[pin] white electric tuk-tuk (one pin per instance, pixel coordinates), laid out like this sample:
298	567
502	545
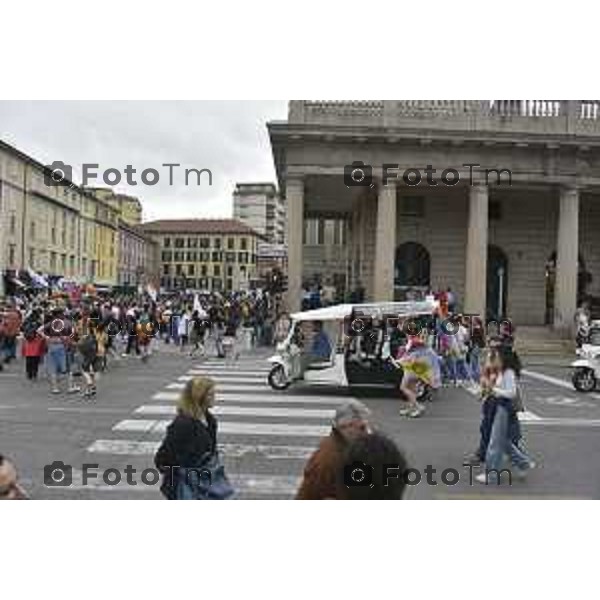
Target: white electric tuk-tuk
361	339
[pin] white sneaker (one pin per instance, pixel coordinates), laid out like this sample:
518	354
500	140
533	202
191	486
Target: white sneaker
522	473
415	413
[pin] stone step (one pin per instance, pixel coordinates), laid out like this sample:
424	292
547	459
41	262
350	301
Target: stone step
549	348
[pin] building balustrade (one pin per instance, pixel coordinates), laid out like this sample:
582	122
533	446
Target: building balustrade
526	116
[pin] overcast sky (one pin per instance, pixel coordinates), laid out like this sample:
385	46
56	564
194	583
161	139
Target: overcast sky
229	138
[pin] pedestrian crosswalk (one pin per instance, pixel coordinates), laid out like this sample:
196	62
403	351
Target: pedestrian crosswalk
265	436
246	411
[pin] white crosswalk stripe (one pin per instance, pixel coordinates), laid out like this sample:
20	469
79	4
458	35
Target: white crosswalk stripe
529	416
224	388
265	397
260	375
233	379
258	428
244	411
229	450
229	427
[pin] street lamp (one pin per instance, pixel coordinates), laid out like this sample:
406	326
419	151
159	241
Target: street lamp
500	292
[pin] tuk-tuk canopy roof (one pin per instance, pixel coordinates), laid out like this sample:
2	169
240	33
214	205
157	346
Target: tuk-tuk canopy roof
377	309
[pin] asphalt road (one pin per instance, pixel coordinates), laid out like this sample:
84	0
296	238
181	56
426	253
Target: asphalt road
267	436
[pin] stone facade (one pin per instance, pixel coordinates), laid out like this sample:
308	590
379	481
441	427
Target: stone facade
490	236
59	230
259	206
205	254
82	234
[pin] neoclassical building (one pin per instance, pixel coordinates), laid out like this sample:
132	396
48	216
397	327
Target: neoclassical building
506	212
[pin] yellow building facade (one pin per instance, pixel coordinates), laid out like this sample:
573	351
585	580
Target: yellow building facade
56	230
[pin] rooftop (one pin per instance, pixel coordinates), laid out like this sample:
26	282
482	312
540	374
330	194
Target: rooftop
248	188
580	117
231	226
40	166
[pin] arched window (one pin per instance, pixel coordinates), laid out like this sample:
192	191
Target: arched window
412	265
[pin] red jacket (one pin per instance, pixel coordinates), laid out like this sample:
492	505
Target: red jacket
35	346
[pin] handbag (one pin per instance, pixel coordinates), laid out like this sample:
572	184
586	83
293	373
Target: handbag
207	481
518	402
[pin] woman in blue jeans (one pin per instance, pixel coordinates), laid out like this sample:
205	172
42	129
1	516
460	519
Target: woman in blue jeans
505	423
57	332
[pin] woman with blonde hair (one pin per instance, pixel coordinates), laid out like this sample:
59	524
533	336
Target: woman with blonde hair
188	456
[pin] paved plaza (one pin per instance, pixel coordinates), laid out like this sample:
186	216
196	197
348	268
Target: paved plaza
267	436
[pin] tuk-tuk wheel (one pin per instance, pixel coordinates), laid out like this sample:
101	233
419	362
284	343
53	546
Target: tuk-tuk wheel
277	378
584	380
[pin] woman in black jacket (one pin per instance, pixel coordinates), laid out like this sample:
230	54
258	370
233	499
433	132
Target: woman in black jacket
191	438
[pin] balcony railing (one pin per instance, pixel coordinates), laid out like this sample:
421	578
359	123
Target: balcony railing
526	116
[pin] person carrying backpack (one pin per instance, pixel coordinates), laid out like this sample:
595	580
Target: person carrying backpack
88	348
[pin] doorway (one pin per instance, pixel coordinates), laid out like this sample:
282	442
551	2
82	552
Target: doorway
412	266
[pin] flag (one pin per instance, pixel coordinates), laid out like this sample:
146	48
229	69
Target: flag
151	292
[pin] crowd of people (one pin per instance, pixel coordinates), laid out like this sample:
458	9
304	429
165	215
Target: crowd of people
76	339
463	351
82	338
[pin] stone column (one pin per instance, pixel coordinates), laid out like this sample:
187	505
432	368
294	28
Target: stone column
477	248
360	242
385	243
565	289
294	230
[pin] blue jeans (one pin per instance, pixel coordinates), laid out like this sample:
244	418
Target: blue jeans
462	372
488	412
449	368
500	440
57	359
10	348
474	363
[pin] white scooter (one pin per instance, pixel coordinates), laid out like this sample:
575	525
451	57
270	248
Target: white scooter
586	369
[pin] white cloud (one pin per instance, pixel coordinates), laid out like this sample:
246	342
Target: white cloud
228	137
